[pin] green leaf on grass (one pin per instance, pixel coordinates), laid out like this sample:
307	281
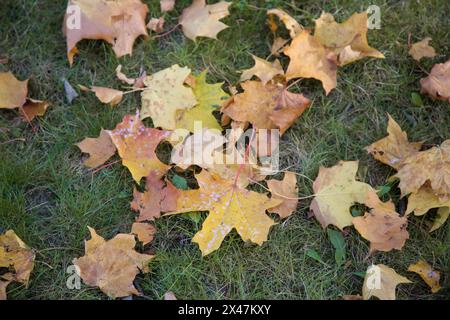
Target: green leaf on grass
338	242
416	99
313	254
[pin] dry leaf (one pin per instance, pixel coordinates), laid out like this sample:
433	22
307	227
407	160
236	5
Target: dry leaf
310	59
422	49
112	265
395	148
156	24
278	46
117	22
266	107
17	258
122	77
108	95
437	84
348	40
202	20
170	296
382	226
423	200
442	215
381	282
291	24
165	94
145	232
432	165
13	93
136	145
263	69
427	273
167	5
34	108
230	207
285	190
100	149
150	203
336	190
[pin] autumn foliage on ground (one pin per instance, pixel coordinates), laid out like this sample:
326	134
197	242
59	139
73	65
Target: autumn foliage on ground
242	198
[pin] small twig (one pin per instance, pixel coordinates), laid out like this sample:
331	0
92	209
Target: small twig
167	33
105	166
18	139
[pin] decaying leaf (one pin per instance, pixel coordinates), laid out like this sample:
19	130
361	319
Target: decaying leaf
145	232
165	94
209	99
442	215
136	145
156	199
112	265
267	106
156	24
395	148
348	40
17	258
433	166
336	190
166	5
291	24
100	149
437	84
202	20
13	93
263	69
135	82
423	200
169	295
230	207
427	273
381	282
33	108
310	59
422	49
285	190
118	22
278	46
382	226
108	95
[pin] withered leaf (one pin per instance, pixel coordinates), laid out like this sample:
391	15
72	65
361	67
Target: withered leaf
100	149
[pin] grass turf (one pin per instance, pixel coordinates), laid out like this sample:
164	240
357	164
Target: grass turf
49	198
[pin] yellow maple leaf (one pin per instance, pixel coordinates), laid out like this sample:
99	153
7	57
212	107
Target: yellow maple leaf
347	39
136	146
290	23
165	94
310	59
263	69
427	273
285	190
381	282
422	49
100	149
202	20
13	93
112	265
335	191
230	207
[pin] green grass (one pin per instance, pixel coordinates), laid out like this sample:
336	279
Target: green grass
49	198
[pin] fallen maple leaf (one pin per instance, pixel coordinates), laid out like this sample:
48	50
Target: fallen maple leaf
291	24
348	40
437	84
100	149
427	273
136	145
165	94
202	20
112	265
382	226
17	258
432	165
145	232
310	59
13	93
33	108
118	22
335	191
107	95
230	207
285	190
267	106
381	282
278	46
209	99
263	69
156	199
422	49
395	148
